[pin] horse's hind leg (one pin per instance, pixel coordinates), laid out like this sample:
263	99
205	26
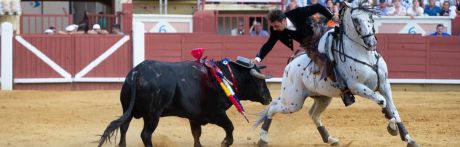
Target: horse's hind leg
391	113
276	106
318	107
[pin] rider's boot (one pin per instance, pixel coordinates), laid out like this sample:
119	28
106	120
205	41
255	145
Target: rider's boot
347	97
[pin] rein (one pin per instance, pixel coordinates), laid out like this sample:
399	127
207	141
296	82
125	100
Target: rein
339	48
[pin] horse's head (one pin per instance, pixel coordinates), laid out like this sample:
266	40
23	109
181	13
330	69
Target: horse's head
357	22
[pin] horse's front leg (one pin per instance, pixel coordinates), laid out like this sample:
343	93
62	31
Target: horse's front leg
395	123
364	91
318	107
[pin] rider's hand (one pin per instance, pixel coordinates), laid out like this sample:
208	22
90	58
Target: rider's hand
335	18
255	60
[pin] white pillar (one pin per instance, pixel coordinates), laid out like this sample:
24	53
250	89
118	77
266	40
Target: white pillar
138	43
7	56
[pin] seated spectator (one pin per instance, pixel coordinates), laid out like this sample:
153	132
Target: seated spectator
97	30
239	30
415	10
406	4
292	5
432	9
335	11
257	30
71	29
333	8
116	30
50	30
448	10
440	31
383	8
398	10
458	6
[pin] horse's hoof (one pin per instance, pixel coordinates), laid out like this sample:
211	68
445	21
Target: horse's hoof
335	144
262	143
391	131
226	143
334	141
412	144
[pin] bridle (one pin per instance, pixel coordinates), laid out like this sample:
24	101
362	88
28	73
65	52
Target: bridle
339	47
342	13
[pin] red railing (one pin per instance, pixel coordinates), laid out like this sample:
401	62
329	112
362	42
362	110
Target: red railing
226	22
105	20
202	3
37	23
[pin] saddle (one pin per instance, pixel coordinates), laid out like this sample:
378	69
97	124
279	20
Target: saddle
324	59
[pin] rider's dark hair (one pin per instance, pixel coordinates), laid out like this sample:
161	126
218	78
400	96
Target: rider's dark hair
275	15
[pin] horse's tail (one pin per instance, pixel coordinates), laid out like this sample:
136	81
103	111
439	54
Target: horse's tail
114	125
263	116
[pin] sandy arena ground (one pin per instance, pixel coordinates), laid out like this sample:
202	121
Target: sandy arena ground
76	118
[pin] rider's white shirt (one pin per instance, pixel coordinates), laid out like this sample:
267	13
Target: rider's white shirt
290	25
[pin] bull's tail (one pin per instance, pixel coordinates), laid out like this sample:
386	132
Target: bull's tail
114	125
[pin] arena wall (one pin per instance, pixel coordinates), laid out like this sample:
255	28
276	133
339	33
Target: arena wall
90	62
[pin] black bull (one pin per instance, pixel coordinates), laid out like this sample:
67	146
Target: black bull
155	89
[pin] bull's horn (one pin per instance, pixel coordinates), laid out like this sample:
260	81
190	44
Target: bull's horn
257	74
261	66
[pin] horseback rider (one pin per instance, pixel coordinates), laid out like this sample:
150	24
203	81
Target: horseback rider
295	25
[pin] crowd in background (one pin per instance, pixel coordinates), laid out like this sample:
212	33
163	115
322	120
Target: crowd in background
395	7
83	27
411	8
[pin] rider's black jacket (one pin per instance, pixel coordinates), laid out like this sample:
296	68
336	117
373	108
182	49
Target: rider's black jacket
299	17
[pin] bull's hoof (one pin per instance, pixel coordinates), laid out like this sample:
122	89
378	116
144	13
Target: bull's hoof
262	143
122	144
198	145
391	131
412	144
226	143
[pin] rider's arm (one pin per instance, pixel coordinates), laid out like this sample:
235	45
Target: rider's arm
317	8
267	47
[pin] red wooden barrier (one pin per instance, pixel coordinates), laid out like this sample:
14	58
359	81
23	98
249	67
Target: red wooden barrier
72	53
37	23
407	56
89	47
56	47
456	26
443	58
0	55
177	47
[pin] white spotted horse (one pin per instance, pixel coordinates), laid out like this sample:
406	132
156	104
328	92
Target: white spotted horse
353	50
